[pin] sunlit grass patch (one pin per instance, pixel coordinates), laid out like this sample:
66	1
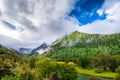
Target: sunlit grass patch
92	73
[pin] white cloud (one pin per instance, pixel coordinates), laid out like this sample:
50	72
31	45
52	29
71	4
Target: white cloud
110	24
101	27
100	12
36	21
7	32
112	9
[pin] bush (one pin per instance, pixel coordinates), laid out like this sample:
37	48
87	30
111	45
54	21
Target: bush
10	78
83	62
61	70
67	72
117	77
27	76
24	72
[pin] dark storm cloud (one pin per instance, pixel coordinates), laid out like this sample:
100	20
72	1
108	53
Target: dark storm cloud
23	6
18	10
16	6
28	24
9	25
55	26
0	13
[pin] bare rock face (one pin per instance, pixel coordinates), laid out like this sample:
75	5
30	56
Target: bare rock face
41	49
25	50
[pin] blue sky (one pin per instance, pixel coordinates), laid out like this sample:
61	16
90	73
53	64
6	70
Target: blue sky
29	23
85	11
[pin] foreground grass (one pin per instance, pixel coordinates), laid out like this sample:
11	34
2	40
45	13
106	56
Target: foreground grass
92	73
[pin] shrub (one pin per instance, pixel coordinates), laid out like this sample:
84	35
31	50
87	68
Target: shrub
10	78
64	71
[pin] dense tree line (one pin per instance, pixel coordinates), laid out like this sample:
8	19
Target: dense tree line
77	44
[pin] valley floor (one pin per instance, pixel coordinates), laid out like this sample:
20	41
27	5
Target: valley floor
90	72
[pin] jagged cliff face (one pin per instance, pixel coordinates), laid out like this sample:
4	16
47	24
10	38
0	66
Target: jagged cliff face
41	49
25	50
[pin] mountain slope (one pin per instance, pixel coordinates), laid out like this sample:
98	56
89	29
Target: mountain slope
8	61
84	38
7	54
78	43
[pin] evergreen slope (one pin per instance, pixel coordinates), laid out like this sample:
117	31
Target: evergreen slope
78	43
12	55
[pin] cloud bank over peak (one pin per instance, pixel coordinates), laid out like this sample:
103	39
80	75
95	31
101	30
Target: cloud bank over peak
36	21
28	23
